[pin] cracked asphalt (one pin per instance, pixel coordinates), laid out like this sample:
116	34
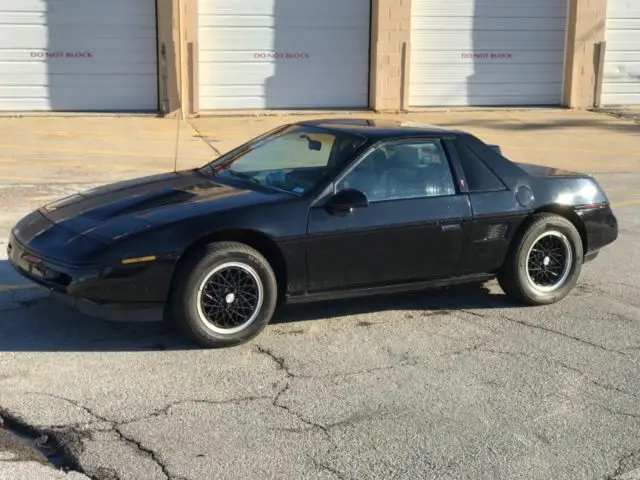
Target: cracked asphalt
450	384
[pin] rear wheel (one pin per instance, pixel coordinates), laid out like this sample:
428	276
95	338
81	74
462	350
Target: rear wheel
545	261
224	297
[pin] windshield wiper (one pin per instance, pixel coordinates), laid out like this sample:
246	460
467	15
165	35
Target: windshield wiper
244	176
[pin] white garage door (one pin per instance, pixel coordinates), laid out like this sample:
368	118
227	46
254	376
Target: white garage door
487	52
78	55
256	54
621	82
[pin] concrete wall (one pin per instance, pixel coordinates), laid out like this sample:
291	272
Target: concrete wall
390	51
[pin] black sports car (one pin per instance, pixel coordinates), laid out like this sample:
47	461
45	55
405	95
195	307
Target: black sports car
316	210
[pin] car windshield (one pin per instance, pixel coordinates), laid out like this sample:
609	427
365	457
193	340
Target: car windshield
295	159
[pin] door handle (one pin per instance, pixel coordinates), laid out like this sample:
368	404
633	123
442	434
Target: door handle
446	227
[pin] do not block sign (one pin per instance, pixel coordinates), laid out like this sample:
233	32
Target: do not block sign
47	54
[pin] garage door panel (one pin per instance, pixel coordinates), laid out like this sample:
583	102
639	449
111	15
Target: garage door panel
17	38
435	23
255	57
89	55
515	10
614	57
485	40
524	59
490	78
488	89
471	4
31	88
63	7
67	98
617	10
76	72
258	90
461	100
622	37
615	24
283	54
622	86
484	52
241	100
242	74
628	72
449	71
621	78
79	21
265	39
617	99
280	8
290	20
112	61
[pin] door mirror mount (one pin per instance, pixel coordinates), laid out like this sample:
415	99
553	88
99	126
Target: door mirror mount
346	201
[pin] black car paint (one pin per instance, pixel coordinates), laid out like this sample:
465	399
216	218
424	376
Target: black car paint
398	244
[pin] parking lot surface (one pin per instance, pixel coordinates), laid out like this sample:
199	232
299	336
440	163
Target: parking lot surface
449	384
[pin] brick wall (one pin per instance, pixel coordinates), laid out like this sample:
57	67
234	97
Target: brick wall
391	39
587	22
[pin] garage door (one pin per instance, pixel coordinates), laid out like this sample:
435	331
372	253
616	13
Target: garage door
621	82
256	54
487	52
78	55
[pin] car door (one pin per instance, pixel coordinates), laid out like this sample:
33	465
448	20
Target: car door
412	229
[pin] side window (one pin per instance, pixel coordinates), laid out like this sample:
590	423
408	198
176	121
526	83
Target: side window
479	177
402	171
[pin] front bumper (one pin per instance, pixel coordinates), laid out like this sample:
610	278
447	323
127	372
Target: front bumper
112	312
134	285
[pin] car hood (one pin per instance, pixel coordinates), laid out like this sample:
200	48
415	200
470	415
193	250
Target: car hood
122	208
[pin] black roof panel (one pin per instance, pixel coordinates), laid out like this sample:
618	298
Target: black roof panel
379	128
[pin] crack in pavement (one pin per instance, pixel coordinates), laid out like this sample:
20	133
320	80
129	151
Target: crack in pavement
615	412
166	409
105	473
622	469
327	468
625	285
596	382
549	330
282	365
478	348
117	428
146	452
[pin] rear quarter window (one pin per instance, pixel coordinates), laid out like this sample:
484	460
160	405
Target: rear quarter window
479	177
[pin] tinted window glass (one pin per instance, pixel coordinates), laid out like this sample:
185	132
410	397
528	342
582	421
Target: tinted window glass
402	171
479	177
295	159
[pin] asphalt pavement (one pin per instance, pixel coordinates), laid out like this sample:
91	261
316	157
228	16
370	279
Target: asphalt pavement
457	383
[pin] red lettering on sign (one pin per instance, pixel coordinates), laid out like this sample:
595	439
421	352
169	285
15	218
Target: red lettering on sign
486	55
282	55
47	54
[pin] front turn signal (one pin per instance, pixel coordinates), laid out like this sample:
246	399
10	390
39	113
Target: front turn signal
129	261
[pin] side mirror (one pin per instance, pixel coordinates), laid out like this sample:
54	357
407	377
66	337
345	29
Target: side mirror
312	144
345	201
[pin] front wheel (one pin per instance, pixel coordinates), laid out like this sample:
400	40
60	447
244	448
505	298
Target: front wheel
544	262
224	297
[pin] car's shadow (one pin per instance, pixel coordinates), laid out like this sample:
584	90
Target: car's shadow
30	321
471	296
